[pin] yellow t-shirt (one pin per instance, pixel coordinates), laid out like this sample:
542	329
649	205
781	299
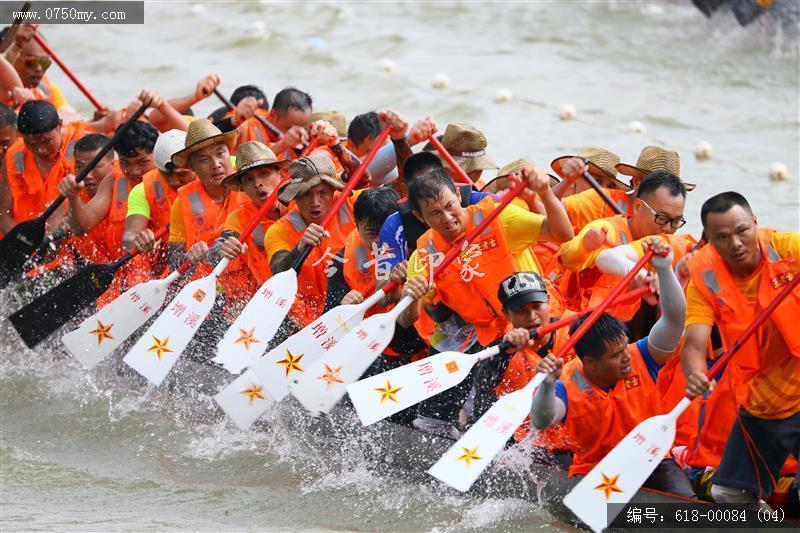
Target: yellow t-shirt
58	101
521	229
775	389
574	255
177	231
137	202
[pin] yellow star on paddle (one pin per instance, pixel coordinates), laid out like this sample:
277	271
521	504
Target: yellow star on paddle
388	392
291	362
609	485
160	347
247	338
103	332
331	375
254	393
468	456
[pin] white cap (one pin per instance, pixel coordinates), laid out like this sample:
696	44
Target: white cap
167	144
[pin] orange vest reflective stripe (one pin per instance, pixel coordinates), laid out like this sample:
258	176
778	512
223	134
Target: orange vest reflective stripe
160	196
476	300
733	313
597	420
312	282
30	192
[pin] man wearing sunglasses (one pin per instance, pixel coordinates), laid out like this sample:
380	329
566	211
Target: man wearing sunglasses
31	63
657	210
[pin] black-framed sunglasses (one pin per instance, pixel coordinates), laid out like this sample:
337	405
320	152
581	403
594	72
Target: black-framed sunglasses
43	62
662	219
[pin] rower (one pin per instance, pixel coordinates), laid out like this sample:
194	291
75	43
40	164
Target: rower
35	164
183	104
8	129
754	411
312	188
362	132
658	209
470	287
291	111
613	385
258	175
467	145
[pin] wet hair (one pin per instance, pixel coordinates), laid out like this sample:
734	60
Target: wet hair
428	186
595	341
37	116
373	207
139	135
92	142
722	202
418	164
249	90
655	180
363	126
291	98
7	116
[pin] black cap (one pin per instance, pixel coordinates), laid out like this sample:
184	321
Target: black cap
522	288
37	116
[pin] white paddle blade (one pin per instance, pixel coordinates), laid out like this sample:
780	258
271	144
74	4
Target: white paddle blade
104	331
624	470
323	385
244	400
385	394
248	336
461	465
155	353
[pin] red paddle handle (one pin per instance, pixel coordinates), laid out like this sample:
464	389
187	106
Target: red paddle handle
310	147
584	327
722	361
71	75
356	177
462	176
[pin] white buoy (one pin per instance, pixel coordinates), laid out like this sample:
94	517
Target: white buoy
441	81
636	127
198	8
703	151
387	65
778	172
567	112
502	96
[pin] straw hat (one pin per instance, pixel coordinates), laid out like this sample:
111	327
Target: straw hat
168	143
467	145
602	164
335	118
654	159
514	167
202	133
251	155
306	173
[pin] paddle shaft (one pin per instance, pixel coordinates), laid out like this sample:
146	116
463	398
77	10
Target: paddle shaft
462	176
342	198
264	122
606	198
12	31
95	160
71	75
266	206
716	369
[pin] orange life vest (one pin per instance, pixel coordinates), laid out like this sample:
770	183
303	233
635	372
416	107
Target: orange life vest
597	420
160	196
30	191
359	269
733	314
43	91
475	300
312	281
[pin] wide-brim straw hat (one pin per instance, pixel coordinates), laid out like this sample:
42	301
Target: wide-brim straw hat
514	167
202	133
252	155
601	162
467	145
655	159
334	118
306	173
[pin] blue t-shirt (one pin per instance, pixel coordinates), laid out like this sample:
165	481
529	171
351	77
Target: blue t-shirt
393	235
652	368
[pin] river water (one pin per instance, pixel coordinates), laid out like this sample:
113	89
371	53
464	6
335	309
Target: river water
100	451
